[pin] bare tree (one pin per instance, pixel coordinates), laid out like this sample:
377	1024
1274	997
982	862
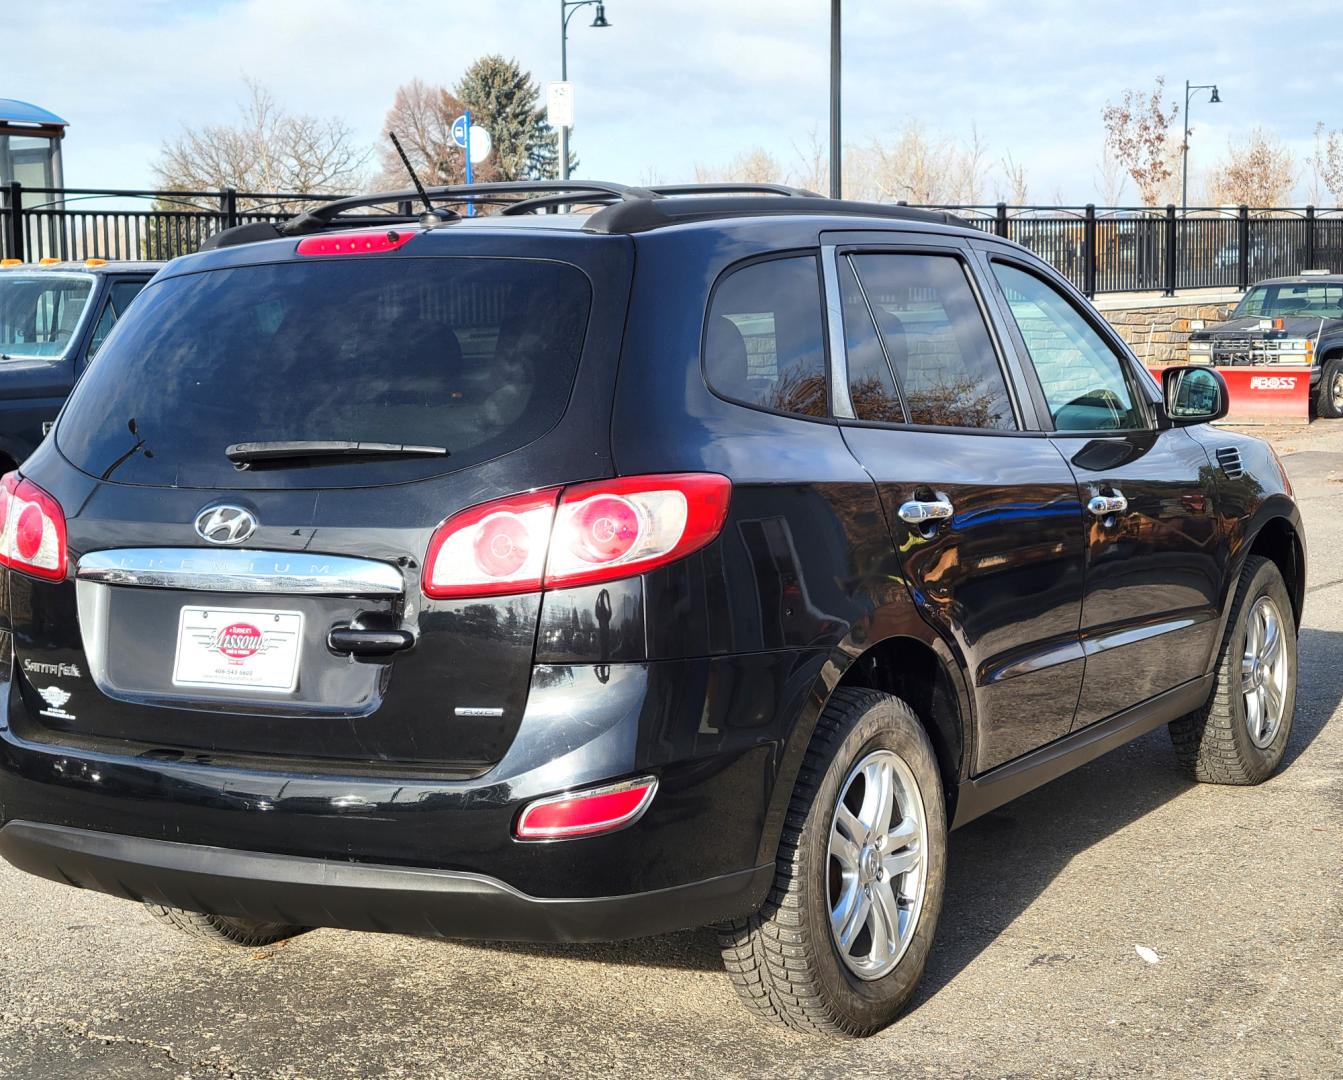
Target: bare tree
1257	170
920	168
754	166
1137	133
268	150
1326	165
813	162
422	116
1111	177
1014	187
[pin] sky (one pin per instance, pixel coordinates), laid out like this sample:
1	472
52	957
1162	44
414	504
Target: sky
676	83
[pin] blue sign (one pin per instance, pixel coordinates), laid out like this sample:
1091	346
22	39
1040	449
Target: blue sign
460	128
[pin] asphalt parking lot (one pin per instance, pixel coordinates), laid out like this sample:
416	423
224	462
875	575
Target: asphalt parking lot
1237	892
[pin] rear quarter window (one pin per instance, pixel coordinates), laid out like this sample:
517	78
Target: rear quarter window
764	345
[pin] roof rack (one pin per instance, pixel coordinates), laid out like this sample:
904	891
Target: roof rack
624	208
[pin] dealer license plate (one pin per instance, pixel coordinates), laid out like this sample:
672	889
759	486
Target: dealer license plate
233	647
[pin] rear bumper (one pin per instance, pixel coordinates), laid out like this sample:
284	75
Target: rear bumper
389	850
354	896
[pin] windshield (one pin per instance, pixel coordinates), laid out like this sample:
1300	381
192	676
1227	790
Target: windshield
474	355
1307	300
40	312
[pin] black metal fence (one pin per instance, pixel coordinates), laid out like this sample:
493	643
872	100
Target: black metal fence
1142	249
1101	249
77	223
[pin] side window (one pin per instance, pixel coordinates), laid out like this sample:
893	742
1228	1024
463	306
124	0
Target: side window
871	387
937	341
119	298
765	342
1085	383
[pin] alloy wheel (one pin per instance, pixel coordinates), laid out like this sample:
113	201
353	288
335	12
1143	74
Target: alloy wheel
876	865
1264	672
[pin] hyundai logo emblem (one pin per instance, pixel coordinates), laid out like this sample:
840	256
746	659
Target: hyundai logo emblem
225	524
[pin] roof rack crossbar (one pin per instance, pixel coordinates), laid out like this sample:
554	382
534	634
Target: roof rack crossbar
733	188
321	217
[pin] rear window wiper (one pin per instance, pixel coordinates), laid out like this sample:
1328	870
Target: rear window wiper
253	453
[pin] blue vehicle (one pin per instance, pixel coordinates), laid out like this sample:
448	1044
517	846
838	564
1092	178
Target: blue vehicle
54	316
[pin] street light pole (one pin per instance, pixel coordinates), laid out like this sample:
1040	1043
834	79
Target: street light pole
1184	149
567	9
836	147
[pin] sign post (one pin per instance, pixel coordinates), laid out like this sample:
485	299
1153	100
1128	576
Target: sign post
476	144
560	114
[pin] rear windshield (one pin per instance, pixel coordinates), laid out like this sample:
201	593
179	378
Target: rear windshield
39	313
475	355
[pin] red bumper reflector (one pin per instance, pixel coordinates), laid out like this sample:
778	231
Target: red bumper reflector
585	813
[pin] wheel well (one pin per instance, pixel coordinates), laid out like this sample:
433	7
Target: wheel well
1277	541
912	671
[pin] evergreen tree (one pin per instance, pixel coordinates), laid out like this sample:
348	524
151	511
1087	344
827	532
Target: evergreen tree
503	99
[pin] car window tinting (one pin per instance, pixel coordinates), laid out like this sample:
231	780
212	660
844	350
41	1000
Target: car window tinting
937	340
871	387
478	355
1083	380
119	298
765	340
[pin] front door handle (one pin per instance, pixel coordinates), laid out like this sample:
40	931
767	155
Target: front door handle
1105	505
920	512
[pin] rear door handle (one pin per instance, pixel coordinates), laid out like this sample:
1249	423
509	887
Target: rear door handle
920	512
346	639
1105	505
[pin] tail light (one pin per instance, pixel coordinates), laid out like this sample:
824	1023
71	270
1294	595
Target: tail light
32	529
585	813
575	536
363	242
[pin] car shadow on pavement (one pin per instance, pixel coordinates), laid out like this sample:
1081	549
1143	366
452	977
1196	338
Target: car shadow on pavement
999	864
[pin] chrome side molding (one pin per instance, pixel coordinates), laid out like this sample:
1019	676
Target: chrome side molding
241	570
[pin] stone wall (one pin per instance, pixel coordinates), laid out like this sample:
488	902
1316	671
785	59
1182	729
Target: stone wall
1156	328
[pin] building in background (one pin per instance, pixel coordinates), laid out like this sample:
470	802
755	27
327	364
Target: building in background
30	145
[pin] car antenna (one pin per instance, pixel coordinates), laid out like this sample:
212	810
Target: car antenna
430	217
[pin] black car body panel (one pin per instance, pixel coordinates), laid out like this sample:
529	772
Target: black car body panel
1029	635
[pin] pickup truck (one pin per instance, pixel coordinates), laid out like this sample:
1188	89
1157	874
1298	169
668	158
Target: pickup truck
1286	321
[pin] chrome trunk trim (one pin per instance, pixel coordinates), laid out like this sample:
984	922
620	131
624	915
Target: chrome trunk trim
241	571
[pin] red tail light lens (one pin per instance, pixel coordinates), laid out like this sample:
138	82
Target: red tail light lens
598	532
492	550
585	813
32	529
615	528
364	242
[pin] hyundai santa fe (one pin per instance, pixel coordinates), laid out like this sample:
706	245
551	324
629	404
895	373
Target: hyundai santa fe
618	561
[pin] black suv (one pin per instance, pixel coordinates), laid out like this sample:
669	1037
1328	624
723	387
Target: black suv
54	316
699	559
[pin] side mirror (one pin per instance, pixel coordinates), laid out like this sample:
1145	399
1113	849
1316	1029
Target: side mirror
1194	395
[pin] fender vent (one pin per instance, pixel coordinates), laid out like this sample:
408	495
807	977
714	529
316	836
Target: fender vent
1229	458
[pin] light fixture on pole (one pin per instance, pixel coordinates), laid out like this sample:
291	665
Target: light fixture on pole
1215	99
599	22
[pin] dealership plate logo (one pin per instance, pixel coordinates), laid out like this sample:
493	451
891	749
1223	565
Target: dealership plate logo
238	641
56	699
225	524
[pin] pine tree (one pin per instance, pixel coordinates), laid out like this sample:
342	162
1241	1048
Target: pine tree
503	100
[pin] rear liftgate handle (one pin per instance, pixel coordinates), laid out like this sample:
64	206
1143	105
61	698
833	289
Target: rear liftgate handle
347	639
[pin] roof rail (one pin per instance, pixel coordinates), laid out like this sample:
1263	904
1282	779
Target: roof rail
625	208
327	215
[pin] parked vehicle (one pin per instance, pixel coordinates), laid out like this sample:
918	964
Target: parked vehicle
703	559
1287	320
54	316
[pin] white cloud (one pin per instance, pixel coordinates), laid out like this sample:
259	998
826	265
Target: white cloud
673	82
